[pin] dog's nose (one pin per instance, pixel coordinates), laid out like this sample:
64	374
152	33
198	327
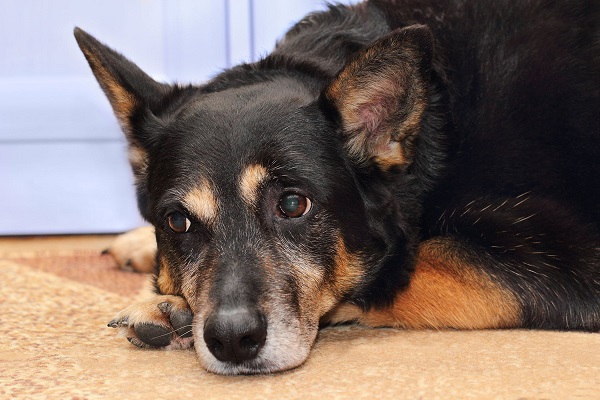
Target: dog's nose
235	335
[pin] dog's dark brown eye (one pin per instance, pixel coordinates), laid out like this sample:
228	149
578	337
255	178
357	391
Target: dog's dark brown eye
294	205
178	222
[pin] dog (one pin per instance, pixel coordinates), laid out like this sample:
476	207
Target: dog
415	164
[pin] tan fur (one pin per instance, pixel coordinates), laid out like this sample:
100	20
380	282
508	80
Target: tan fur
348	269
138	158
165	282
202	202
445	292
135	249
122	101
250	181
148	311
347	274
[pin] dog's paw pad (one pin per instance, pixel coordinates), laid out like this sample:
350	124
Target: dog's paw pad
180	318
153	335
119	322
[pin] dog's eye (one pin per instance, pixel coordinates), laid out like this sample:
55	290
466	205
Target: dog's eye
178	222
294	205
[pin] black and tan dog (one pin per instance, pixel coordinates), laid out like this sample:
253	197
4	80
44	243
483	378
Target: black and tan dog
425	164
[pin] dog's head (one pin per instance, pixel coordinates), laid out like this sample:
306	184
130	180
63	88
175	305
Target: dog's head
276	195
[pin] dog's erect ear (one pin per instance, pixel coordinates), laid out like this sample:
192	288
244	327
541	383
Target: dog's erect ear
381	95
133	95
127	87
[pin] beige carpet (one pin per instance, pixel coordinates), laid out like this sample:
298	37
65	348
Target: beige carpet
54	343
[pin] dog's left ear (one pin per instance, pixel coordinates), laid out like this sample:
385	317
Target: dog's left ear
381	96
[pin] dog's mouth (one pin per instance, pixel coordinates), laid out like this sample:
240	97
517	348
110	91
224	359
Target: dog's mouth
240	342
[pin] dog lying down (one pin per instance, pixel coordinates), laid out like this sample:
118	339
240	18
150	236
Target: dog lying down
418	164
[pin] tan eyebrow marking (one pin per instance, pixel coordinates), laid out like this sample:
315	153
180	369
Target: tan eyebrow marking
250	181
202	202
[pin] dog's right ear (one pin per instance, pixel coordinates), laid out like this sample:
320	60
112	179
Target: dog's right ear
132	94
128	88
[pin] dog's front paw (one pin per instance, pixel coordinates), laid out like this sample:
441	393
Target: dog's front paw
162	322
135	250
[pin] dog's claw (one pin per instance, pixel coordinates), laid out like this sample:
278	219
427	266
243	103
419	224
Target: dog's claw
105	252
164	307
138	343
127	266
117	323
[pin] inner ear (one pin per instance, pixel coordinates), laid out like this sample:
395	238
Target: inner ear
381	96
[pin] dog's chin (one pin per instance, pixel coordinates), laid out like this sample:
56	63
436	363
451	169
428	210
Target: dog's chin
260	365
287	346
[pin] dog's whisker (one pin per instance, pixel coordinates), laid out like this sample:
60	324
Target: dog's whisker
187	332
163	335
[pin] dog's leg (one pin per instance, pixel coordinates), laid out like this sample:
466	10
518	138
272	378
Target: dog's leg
449	290
135	250
445	291
163	322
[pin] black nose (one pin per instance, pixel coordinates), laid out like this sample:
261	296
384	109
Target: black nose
235	335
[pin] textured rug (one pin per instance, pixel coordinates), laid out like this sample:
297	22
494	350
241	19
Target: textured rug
54	343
